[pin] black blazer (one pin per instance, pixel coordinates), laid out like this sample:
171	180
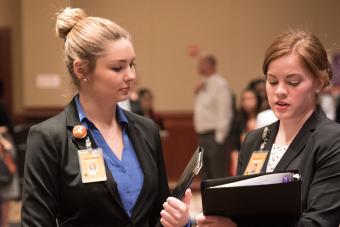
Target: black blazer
315	152
53	191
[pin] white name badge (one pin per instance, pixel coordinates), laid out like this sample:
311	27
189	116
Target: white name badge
92	167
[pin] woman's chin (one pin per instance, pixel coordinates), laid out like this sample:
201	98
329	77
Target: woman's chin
123	98
282	115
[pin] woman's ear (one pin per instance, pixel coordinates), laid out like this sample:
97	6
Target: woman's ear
321	83
79	68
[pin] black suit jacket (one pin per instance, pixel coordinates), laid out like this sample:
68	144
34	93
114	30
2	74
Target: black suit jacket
53	191
315	152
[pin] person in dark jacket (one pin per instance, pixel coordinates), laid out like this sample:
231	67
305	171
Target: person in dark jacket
95	164
303	139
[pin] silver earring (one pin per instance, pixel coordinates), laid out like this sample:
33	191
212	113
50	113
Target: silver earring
85	80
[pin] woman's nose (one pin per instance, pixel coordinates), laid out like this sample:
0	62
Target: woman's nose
281	90
130	74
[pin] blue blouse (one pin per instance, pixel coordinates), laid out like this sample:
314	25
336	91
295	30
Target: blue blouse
127	172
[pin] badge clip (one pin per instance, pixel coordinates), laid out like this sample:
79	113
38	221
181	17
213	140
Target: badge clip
88	143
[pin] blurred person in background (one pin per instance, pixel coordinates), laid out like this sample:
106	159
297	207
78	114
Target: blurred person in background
259	86
327	103
244	122
146	102
9	191
266	115
212	118
8	154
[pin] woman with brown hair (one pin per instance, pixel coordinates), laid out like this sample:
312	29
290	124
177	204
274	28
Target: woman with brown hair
296	70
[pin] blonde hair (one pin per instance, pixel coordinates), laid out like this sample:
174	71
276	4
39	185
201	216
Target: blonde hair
85	37
308	48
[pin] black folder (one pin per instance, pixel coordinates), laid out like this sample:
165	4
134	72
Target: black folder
192	169
263	201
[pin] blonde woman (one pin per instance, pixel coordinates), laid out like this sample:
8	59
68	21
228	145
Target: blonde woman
129	186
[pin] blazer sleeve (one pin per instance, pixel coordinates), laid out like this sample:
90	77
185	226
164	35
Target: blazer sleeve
40	189
323	200
162	179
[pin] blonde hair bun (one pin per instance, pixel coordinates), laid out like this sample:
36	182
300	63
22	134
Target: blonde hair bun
67	19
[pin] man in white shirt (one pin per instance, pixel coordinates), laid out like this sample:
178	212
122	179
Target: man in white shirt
212	118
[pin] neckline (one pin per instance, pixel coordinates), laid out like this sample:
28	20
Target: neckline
280	146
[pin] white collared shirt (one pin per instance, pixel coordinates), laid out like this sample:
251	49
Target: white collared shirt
213	108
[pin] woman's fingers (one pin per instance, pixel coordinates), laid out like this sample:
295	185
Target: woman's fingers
165	223
168	218
181	205
170	209
176	212
187	197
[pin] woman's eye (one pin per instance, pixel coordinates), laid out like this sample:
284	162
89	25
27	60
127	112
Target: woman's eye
272	82
117	69
120	68
294	83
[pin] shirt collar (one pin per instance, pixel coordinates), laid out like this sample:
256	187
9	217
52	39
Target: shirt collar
119	113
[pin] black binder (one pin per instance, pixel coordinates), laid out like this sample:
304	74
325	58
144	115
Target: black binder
192	169
263	201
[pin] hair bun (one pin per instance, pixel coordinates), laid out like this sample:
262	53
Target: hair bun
67	19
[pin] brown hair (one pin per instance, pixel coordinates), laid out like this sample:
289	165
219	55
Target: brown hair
85	37
309	49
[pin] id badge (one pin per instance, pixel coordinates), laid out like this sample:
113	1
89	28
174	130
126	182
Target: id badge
92	167
256	162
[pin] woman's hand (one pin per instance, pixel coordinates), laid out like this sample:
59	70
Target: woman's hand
176	212
214	221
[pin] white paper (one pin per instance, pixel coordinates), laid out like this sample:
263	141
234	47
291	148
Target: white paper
275	178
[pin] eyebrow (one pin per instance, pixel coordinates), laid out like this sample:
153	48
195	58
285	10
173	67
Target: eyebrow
288	76
122	60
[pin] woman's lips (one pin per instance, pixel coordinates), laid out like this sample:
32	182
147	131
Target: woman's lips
125	89
281	106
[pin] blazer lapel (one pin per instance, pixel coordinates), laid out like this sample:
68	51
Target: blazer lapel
147	166
72	119
298	143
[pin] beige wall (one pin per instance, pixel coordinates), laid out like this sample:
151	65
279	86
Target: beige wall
42	54
236	31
